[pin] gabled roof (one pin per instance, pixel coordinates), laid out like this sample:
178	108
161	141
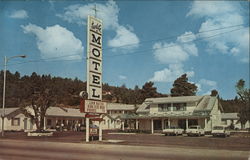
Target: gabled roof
144	108
173	99
64	112
8	111
120	106
206	104
203	103
52	111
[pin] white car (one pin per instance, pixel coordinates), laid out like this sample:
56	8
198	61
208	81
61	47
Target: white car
172	130
220	131
195	130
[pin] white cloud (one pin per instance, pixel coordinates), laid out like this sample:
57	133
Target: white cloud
79	13
174	54
124	38
221	14
171	73
178	52
186	37
169	53
108	12
122	77
204	8
55	41
206	86
19	14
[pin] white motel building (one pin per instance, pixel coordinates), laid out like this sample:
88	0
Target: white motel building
67	118
159	113
152	116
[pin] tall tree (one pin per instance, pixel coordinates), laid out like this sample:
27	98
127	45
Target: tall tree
40	96
181	87
244	98
148	90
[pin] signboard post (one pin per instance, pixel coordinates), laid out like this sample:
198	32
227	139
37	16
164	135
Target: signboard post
94	103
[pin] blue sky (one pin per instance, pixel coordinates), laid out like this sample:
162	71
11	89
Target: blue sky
142	41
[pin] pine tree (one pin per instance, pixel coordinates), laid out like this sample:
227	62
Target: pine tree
181	87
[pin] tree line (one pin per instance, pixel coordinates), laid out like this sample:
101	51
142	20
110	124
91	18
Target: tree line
42	91
19	90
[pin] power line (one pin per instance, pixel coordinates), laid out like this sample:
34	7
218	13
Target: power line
171	37
142	51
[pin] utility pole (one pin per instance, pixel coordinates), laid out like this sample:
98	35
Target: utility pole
4	86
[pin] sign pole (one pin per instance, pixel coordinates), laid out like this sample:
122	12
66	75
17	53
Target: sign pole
87	129
100	130
94	103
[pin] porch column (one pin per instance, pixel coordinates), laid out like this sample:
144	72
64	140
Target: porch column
186	123
44	123
87	129
205	124
152	126
169	122
162	124
136	124
123	125
100	130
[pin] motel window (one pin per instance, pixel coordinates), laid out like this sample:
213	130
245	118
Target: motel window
15	122
179	106
49	122
164	107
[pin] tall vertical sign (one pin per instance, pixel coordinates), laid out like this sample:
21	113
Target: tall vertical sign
94	59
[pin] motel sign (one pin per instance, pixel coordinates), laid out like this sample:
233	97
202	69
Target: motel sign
94	59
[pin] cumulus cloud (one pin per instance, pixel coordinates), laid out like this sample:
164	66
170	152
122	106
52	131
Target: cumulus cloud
55	41
221	14
171	73
124	39
174	54
108	12
169	53
205	86
19	14
177	52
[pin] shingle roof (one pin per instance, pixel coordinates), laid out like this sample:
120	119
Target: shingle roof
52	111
8	110
64	112
119	106
144	108
204	103
174	99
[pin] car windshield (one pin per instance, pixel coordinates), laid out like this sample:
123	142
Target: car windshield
193	127
218	128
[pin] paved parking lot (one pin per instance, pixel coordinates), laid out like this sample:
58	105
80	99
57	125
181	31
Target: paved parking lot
229	143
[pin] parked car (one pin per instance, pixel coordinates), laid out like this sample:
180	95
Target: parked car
220	131
195	130
173	130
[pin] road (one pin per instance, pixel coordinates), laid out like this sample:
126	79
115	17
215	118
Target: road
38	150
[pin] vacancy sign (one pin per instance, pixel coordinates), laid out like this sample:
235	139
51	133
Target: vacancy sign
95	106
94	59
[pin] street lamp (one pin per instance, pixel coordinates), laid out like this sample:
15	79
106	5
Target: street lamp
4	84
